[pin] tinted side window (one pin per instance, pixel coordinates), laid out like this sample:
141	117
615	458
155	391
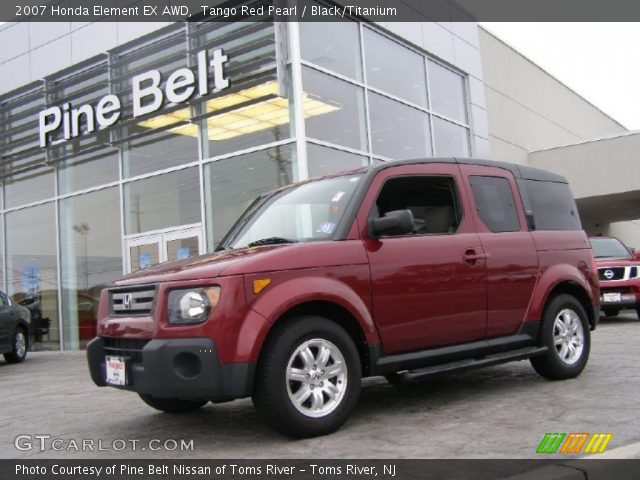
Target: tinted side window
495	203
433	200
553	206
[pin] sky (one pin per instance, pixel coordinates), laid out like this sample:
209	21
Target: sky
599	61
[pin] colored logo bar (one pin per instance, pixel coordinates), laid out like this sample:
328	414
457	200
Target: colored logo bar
573	443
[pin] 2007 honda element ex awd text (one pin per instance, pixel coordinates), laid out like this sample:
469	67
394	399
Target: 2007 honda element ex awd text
403	269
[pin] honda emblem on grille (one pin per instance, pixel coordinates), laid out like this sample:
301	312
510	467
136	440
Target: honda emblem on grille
126	301
608	274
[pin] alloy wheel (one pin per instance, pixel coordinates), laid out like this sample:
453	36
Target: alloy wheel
20	345
316	378
568	336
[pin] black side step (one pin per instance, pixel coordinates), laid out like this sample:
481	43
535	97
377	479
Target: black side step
470	364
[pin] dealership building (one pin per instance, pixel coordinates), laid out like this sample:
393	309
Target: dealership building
127	144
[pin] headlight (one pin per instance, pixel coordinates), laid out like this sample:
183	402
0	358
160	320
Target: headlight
192	305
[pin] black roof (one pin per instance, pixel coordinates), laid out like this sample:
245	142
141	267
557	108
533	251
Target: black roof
518	171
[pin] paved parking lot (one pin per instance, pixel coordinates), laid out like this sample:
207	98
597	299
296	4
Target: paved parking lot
499	412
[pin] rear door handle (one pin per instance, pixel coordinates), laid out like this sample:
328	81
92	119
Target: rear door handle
471	257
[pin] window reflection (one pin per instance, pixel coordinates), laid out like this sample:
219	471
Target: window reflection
86	170
233	183
158	150
324	160
394	68
343	119
91	257
332	45
162	201
447	92
32	270
450	139
398	131
29	186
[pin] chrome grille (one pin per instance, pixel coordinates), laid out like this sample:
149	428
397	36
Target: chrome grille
133	301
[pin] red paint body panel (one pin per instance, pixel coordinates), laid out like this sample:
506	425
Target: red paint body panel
512	261
406	293
424	294
347	286
558	266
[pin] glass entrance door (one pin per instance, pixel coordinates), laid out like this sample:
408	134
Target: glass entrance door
144	251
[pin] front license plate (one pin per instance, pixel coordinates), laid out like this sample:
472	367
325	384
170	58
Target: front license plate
116	370
611	297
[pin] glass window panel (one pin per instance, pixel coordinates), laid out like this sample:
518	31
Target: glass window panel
394	68
29	186
32	270
87	170
182	248
398	131
162	201
332	45
2	258
450	139
234	183
161	150
495	203
324	160
144	256
91	257
249	117
334	110
447	92
553	205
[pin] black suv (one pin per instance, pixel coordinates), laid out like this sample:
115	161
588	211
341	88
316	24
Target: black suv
14	330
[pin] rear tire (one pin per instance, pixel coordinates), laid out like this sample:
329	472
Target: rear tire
172	405
565	332
308	377
611	312
19	344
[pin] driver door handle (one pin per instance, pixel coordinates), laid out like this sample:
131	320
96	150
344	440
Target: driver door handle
471	256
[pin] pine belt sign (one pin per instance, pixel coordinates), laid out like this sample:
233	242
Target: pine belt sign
147	95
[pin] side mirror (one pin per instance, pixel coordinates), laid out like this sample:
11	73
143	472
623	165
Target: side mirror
531	221
397	222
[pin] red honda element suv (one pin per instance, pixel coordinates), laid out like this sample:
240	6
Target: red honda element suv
403	269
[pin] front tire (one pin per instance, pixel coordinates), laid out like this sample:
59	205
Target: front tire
172	405
565	332
308	377
19	347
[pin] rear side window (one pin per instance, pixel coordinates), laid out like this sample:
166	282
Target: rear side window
552	205
495	203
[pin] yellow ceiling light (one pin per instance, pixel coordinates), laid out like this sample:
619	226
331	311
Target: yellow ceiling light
261	115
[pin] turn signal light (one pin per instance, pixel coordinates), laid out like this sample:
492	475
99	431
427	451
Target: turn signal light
261	284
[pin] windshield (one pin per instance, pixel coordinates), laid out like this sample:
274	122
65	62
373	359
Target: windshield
609	248
306	212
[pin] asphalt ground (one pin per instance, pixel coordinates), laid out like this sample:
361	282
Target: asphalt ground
497	412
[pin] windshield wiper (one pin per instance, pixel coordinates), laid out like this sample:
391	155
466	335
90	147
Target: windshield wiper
270	241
